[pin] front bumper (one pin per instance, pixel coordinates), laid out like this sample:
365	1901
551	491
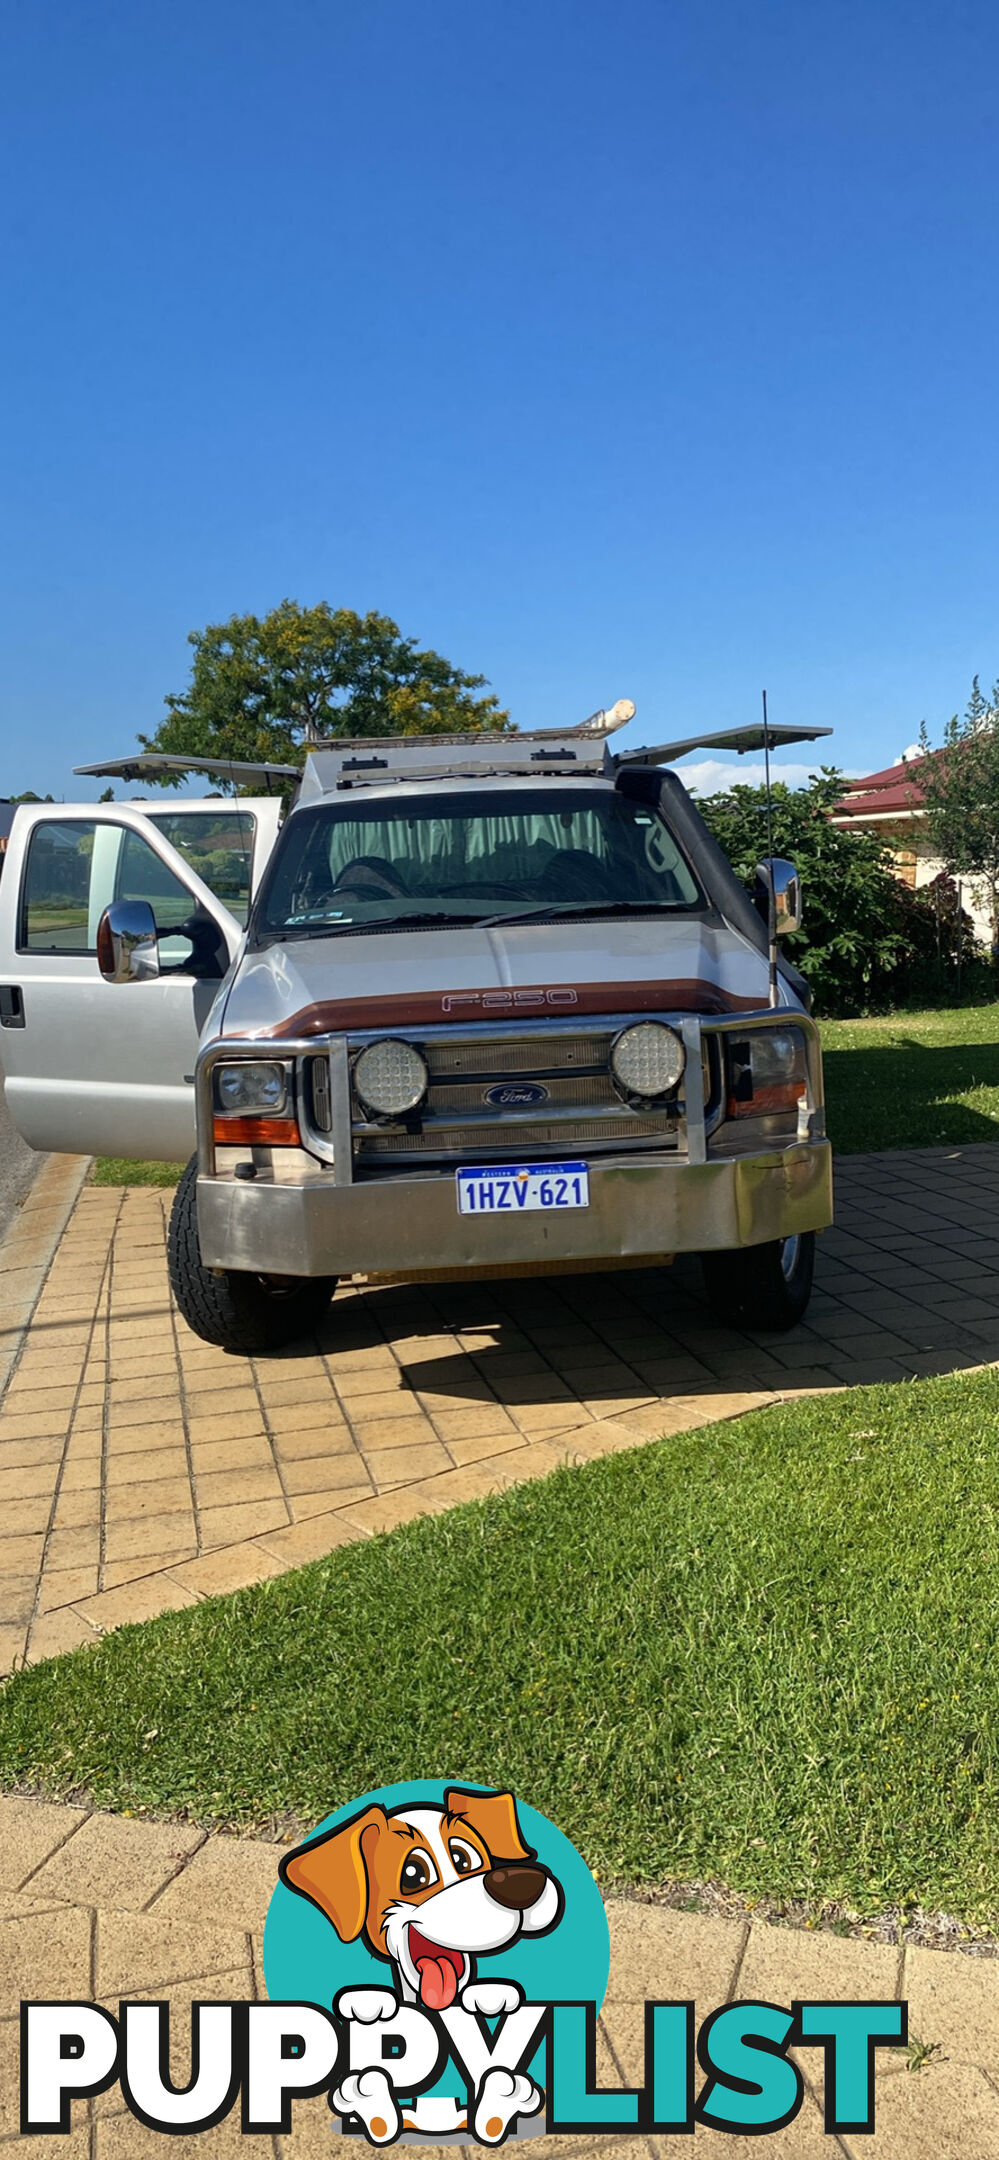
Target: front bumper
641	1207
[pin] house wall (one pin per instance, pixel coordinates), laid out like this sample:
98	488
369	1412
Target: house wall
928	867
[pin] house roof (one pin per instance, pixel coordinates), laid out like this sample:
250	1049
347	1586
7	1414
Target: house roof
880	794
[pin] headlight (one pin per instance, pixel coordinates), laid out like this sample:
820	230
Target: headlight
767	1071
249	1087
390	1078
648	1060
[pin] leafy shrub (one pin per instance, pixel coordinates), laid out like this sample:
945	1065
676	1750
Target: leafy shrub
867	943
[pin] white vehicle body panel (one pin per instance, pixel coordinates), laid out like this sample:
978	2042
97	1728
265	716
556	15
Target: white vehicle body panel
521	970
88	1069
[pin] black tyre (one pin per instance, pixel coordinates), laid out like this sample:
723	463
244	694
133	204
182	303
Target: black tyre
762	1286
237	1311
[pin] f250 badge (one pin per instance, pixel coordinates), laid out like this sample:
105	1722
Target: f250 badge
508	1000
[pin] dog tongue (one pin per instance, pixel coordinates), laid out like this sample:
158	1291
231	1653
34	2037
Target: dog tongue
438	1982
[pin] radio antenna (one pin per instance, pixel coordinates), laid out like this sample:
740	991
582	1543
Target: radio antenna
771	895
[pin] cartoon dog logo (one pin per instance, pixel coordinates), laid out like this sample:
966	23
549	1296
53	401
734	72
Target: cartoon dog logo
431	1890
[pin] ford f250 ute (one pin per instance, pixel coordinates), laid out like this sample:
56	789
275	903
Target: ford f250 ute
485	1005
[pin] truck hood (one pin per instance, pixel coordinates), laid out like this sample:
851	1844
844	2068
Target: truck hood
411	978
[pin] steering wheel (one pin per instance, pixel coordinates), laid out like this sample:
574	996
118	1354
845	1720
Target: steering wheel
372	877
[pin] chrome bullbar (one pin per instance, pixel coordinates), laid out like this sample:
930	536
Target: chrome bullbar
684	1125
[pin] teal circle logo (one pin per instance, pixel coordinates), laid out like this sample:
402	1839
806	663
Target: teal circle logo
478	1865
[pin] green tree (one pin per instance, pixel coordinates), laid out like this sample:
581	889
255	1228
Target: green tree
265	688
960	786
866	942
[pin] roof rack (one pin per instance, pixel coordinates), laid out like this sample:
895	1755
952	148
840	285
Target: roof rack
378	761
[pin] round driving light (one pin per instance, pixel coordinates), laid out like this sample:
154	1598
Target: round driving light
390	1078
647	1060
248	1087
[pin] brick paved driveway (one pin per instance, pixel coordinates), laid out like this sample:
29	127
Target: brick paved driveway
141	1470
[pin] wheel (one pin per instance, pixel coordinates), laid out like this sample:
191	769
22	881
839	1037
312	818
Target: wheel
762	1286
237	1311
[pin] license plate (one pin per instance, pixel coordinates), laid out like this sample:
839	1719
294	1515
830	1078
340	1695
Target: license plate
523	1188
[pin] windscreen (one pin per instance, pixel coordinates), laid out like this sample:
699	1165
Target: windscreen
471	857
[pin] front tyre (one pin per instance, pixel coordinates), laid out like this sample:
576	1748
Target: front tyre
762	1286
236	1311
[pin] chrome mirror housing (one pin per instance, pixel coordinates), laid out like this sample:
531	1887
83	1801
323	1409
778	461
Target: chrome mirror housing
777	876
127	944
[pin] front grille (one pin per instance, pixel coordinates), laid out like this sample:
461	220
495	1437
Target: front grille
583	1109
532	1054
318	1071
589	1091
498	1141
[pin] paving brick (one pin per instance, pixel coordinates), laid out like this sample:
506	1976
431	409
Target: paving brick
954	2000
231	1525
17	1595
656	1952
148	1497
332	1473
946	2111
30	1831
146	1466
229	1880
122	2137
54	1633
225	1488
311	1540
13	1637
45	1956
115	1863
139	1536
402	1465
65	1586
142	1950
136	1601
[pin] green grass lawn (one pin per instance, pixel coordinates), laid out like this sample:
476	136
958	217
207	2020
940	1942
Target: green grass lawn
913	1079
762	1654
121	1170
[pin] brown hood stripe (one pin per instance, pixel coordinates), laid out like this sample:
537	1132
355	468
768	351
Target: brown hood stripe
434	1008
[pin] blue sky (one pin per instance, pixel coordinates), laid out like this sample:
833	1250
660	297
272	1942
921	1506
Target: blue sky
646	349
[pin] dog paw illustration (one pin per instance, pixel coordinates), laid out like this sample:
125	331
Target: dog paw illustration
492	1998
502	2096
366	2005
368	2094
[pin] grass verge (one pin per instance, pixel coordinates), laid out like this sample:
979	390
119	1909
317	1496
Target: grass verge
121	1170
913	1079
761	1654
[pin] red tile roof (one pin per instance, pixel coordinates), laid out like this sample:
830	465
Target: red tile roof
896	788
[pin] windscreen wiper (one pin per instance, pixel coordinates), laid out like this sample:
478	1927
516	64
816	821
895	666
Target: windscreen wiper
328	926
556	908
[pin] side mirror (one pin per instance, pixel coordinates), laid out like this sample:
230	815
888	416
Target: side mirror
127	944
776	875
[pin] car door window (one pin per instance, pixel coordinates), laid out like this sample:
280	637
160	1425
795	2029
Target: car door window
55	902
218	844
141	874
76	867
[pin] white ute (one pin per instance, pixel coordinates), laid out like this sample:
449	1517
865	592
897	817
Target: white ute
484	1005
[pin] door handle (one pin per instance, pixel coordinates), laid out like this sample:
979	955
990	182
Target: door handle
11	1005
